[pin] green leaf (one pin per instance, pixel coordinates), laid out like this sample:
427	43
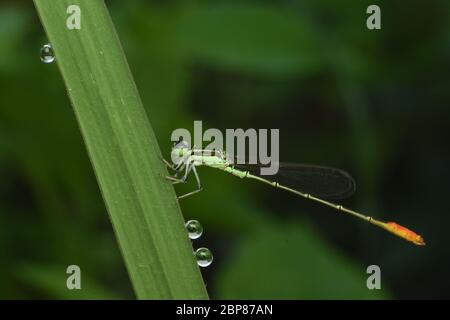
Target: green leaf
289	261
123	150
248	37
51	281
13	25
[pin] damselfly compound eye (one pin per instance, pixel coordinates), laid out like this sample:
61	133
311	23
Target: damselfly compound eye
194	229
47	54
182	144
204	257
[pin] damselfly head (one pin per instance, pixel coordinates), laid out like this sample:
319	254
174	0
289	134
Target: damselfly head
180	151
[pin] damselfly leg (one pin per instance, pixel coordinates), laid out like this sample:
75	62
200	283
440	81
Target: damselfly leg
187	164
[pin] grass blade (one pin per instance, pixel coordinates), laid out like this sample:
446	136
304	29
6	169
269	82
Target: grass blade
123	150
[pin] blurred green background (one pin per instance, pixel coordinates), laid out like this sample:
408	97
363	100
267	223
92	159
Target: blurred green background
375	103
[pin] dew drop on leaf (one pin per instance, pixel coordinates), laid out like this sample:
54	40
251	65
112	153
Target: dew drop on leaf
194	229
204	257
47	54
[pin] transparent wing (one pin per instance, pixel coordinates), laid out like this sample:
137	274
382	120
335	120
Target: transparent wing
318	181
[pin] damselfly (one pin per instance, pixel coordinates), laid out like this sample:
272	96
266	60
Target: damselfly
310	182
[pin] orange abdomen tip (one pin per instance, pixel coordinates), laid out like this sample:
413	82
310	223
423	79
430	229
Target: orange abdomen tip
404	233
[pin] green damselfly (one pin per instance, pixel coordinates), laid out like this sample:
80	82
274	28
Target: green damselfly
308	181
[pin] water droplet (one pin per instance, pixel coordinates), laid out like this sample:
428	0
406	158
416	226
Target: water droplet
194	229
204	257
47	54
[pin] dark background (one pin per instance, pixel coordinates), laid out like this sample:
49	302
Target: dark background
375	103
